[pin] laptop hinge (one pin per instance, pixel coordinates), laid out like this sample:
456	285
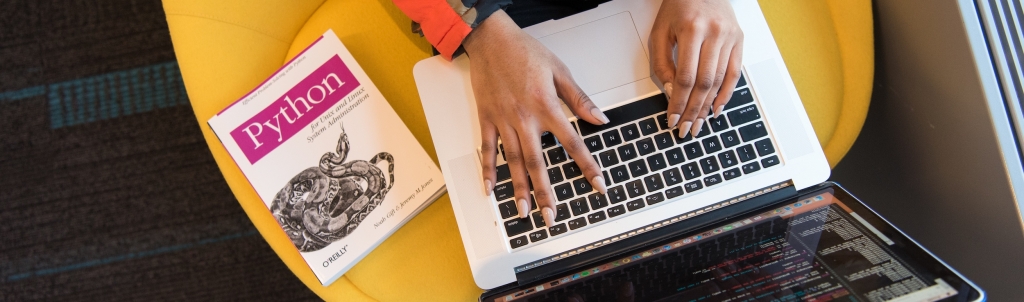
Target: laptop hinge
626	242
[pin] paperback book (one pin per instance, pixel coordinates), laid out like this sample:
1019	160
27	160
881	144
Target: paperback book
329	157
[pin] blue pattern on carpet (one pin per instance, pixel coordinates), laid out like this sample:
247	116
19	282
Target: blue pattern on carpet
109	95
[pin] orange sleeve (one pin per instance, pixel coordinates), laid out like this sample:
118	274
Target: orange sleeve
445	23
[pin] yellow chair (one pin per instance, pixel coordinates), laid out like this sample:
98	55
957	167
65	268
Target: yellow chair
227	47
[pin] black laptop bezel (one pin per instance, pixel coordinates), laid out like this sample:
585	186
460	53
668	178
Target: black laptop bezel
905	247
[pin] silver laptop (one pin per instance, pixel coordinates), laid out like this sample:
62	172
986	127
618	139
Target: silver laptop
762	142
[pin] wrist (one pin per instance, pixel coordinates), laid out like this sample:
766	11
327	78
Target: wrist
491	31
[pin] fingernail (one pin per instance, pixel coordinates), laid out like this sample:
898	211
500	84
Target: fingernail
696	127
718	110
599	115
668	89
598	183
524	208
684	129
549	216
488	187
673	119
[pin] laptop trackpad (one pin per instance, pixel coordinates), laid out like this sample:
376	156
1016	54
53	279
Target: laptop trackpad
603	54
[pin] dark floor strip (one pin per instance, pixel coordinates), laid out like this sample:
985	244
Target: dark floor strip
124	257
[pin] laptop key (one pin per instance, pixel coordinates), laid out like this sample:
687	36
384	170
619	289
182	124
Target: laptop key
597	201
616	211
711	144
672	176
611	138
593	143
693	186
673	192
538	236
538	220
562	212
656	162
620	174
704	130
596	217
709	164
577	223
635	205
712	180
764	147
607	180
751	168
744	115
731	173
664	140
648	126
635	188
727	159
617	194
690	171
680	140
557	229
518	242
662	121
504	191
653	182
753	131
555	175
563	191
629	132
547	140
718	123
742	82
627	113
582	186
508	209
502	172
518	226
627	152
740	97
557	155
645	146
638	168
579	206
770	161
746	153
608	158
655	198
730	139
693	150
572	170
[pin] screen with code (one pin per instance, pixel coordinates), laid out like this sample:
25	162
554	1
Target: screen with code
814	249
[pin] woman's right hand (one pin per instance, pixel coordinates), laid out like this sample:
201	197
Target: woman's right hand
519	87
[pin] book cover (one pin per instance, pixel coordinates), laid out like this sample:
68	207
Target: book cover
329	157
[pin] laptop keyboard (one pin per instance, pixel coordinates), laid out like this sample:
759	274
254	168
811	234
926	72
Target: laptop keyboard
644	163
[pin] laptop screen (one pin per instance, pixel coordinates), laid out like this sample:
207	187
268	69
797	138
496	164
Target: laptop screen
817	248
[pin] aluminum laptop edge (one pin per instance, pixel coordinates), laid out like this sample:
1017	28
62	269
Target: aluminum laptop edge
606	49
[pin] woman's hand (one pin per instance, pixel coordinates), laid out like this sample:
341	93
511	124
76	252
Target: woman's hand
709	47
518	84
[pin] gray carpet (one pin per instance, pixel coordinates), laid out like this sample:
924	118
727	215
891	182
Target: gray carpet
107	189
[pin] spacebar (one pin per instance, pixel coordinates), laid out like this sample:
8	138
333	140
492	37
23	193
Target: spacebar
627	113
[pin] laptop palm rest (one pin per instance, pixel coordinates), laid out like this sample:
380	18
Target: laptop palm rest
475	206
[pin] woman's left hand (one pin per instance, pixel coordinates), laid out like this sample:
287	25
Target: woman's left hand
709	47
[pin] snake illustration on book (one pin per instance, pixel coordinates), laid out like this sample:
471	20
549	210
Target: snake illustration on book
323	204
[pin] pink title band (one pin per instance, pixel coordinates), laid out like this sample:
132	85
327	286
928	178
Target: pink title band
293	111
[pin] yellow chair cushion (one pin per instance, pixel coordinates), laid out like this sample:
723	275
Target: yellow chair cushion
227	47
